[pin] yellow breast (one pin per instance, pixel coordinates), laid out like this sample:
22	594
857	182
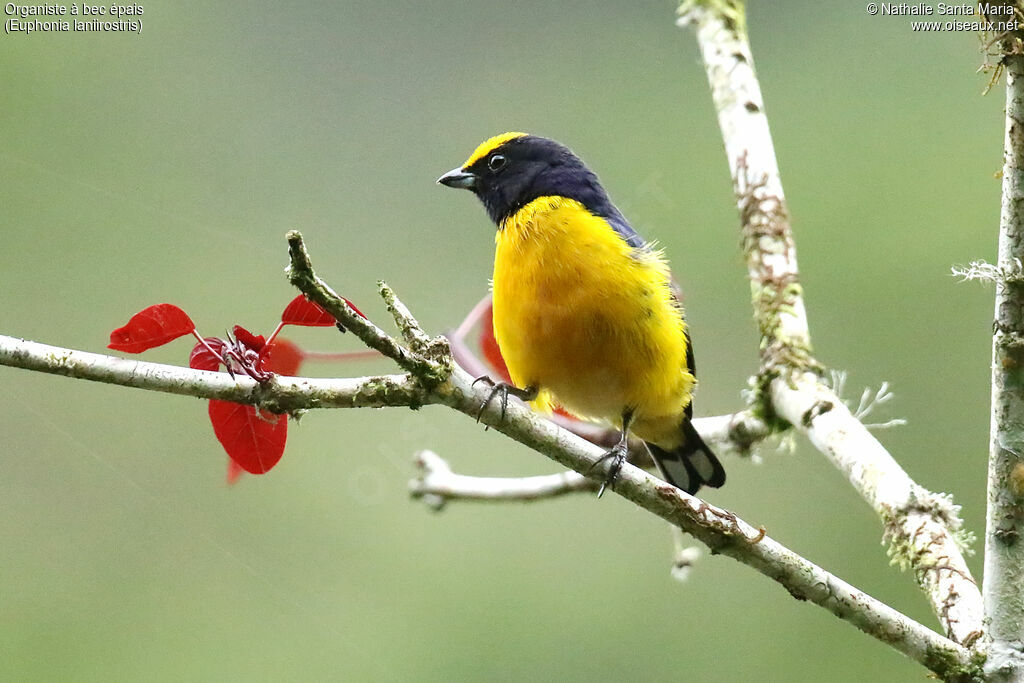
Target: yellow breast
588	319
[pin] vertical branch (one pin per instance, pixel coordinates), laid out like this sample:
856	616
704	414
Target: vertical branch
767	240
1004	545
921	527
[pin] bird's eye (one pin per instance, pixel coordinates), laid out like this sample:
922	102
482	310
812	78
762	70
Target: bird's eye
497	162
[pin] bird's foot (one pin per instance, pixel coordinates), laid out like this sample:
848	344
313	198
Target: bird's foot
617	455
503	389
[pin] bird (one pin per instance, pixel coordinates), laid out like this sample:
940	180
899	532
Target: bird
584	309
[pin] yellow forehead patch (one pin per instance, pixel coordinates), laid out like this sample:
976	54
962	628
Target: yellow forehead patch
489	144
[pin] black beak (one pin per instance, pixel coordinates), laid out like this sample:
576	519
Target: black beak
458	178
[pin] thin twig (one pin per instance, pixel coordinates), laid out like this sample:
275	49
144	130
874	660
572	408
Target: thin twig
300	273
437	484
418	340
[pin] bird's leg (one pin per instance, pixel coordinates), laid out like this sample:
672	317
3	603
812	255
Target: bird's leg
503	389
617	455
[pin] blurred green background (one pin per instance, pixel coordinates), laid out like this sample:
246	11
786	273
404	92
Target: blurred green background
167	166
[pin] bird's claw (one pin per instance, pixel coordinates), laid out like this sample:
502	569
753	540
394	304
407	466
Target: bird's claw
496	389
618	456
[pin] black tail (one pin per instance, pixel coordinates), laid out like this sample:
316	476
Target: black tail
691	465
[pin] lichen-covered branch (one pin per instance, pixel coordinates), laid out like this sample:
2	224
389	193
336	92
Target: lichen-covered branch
429	366
737	432
767	240
921	527
434	378
280	394
720	530
1004	534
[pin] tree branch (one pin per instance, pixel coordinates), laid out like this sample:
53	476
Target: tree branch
1004	546
429	366
280	394
719	529
920	526
437	484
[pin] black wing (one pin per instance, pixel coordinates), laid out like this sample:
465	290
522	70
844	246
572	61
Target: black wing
624	230
691	366
691	363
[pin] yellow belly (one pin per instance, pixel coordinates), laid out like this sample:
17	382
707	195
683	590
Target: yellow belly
589	320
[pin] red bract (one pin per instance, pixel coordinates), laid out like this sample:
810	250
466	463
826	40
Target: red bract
151	327
302	311
206	357
240	354
253	439
256	342
244	431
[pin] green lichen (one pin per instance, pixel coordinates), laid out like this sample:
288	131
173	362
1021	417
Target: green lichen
901	548
378	390
772	299
759	400
947	664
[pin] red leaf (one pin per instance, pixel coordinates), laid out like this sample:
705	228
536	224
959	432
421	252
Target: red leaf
151	327
254	440
253	341
202	359
353	307
489	346
283	357
302	311
235	472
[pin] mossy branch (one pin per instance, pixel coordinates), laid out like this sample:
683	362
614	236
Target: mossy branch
790	387
722	531
434	379
301	275
1004	549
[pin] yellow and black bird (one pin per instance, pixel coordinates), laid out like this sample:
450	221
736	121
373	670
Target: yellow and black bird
584	310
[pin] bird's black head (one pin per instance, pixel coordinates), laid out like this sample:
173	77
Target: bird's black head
509	171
